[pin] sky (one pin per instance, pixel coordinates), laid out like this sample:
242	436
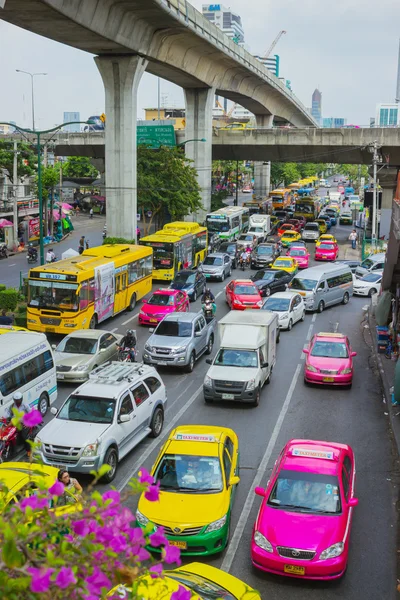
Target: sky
348	49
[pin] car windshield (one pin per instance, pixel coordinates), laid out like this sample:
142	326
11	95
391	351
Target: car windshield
325	349
256	230
53	294
246	290
203	588
236	358
290	234
245	238
77	345
282	263
296	252
311	227
303	284
88	410
300	491
264	276
230	248
215	261
372	277
367	263
327	246
174	329
265	250
161	300
278	304
185	278
182	472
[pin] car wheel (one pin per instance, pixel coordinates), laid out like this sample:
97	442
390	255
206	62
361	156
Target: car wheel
303	316
210	344
290	325
267	292
346	298
268	380
110	459
157	422
192	360
194	297
43	404
93	322
278	337
257	397
371	292
132	303
321	306
230	271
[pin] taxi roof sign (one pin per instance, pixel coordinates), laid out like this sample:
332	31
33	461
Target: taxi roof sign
334	335
194	437
309	453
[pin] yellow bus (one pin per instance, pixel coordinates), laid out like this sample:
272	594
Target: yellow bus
79	292
179	245
259	207
281	198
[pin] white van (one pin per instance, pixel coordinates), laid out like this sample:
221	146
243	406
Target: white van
260	226
27	366
324	285
373	262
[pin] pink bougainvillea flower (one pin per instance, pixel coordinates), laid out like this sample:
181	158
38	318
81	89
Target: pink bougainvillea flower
156	570
112	495
152	493
97	582
57	489
80	528
136	536
32	418
65	578
171	554
142	555
181	594
158	538
34	502
145	477
40	581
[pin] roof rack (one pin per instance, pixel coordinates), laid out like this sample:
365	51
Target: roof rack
115	372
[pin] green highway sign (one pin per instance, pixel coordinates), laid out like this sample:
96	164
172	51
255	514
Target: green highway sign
155	136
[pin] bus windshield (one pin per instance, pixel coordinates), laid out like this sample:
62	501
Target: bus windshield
163	254
304	207
217	225
53	294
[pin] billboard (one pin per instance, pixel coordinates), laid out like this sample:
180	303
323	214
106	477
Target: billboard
104	291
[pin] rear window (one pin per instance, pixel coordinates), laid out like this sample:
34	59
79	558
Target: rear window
312	227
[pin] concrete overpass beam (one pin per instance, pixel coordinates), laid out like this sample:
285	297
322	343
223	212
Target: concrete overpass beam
262	169
199	105
121	77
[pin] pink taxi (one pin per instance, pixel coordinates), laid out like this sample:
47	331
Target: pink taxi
301	256
161	303
303	525
326	251
329	360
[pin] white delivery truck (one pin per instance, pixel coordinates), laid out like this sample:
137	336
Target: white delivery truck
260	226
335	196
246	356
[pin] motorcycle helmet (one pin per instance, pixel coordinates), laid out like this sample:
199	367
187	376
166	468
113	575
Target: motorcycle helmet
17	398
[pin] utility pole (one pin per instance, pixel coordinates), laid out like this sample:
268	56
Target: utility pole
15	182
375	160
237	184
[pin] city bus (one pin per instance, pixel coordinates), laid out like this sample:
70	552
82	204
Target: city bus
307	207
179	245
259	207
281	198
228	222
80	292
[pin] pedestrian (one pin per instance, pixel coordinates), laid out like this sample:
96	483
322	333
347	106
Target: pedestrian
81	244
4	320
138	234
353	239
91	213
87	244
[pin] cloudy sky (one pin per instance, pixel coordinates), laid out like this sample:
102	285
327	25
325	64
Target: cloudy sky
346	48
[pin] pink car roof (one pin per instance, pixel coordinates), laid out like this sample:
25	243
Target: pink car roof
325	460
167	292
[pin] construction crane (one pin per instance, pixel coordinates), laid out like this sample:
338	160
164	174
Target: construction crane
229	113
274	43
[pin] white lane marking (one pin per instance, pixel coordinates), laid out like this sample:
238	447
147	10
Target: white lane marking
131	319
235	541
219	293
114	330
145	455
13	265
336	327
309	332
302	356
314	318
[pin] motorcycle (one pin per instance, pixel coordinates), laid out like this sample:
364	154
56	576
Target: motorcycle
32	257
208	309
127	354
9	439
3	251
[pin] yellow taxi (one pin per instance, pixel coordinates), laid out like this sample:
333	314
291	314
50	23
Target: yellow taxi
327	237
8	328
197	469
323	227
285	263
203	581
290	236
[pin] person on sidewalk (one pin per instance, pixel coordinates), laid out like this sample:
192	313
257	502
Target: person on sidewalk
353	239
91	213
4	320
81	244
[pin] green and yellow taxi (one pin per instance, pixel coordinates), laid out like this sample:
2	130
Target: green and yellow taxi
197	469
290	236
323	227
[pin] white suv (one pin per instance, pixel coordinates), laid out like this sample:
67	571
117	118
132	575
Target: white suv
103	419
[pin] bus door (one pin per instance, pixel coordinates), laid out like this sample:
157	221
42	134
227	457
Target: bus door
121	290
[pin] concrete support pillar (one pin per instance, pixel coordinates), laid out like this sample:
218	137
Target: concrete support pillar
386	210
262	170
121	77
199	105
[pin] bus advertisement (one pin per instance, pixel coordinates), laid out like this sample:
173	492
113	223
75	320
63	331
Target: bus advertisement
228	222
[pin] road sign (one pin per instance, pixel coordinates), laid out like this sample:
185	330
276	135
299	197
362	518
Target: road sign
155	136
103	118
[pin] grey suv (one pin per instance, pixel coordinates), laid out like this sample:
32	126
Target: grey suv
216	266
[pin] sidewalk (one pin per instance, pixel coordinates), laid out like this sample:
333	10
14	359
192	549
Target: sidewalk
346	252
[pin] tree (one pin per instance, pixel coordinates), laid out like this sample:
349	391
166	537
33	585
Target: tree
26	159
167	185
79	166
50	178
353	172
277	176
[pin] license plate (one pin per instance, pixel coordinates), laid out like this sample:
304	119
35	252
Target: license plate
228	397
328	379
293	569
162	363
207	275
153	320
181	545
50	329
60	375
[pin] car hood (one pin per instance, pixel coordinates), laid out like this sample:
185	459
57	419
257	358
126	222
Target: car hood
263	282
232	373
185	509
319	250
182	286
247	298
165	341
300	530
152	309
71	433
67	359
211	268
329	364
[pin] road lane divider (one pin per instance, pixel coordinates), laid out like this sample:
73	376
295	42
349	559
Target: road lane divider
251	496
309	332
130	319
314	318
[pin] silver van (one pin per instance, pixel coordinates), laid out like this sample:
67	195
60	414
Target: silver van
324	285
373	262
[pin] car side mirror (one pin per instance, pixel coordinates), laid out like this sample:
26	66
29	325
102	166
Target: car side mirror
124	418
306	351
209	361
151	330
54	346
353	502
53	410
264	365
197	334
234	480
260	491
353	354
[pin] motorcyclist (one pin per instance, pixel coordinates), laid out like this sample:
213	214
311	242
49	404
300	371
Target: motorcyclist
32	252
20	406
208	296
50	256
243	256
129	341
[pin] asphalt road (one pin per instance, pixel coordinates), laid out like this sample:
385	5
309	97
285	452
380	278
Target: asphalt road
288	409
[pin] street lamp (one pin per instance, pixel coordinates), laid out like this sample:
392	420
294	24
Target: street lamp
32	75
193	140
39	168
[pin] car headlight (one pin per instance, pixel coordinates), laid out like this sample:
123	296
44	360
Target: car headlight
81	368
91	449
251	384
236	301
148	348
261	541
333	551
70	324
284	316
178	350
311	368
346	371
207	381
215	525
31	321
141	519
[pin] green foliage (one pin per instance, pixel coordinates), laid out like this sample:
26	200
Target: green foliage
117	240
167	184
25	155
8	299
354	172
2	287
50	178
287	173
79	166
217	199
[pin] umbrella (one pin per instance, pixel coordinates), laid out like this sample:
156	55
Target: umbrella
5	223
69	253
66	206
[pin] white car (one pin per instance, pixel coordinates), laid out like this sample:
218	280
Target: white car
368	285
289	307
311	232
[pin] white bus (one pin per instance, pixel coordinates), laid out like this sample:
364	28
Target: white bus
27	366
228	222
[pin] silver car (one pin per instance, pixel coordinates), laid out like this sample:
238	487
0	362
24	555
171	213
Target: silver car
216	266
82	351
311	232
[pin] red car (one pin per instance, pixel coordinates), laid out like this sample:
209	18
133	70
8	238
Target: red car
242	294
296	224
161	303
326	251
285	227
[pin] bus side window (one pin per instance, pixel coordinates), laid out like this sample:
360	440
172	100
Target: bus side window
148	265
133	271
84	295
142	272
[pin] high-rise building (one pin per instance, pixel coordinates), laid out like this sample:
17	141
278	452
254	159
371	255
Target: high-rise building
334	122
226	20
316	105
72	116
272	63
387	114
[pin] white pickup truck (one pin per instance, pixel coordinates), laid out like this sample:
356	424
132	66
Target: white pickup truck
260	226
